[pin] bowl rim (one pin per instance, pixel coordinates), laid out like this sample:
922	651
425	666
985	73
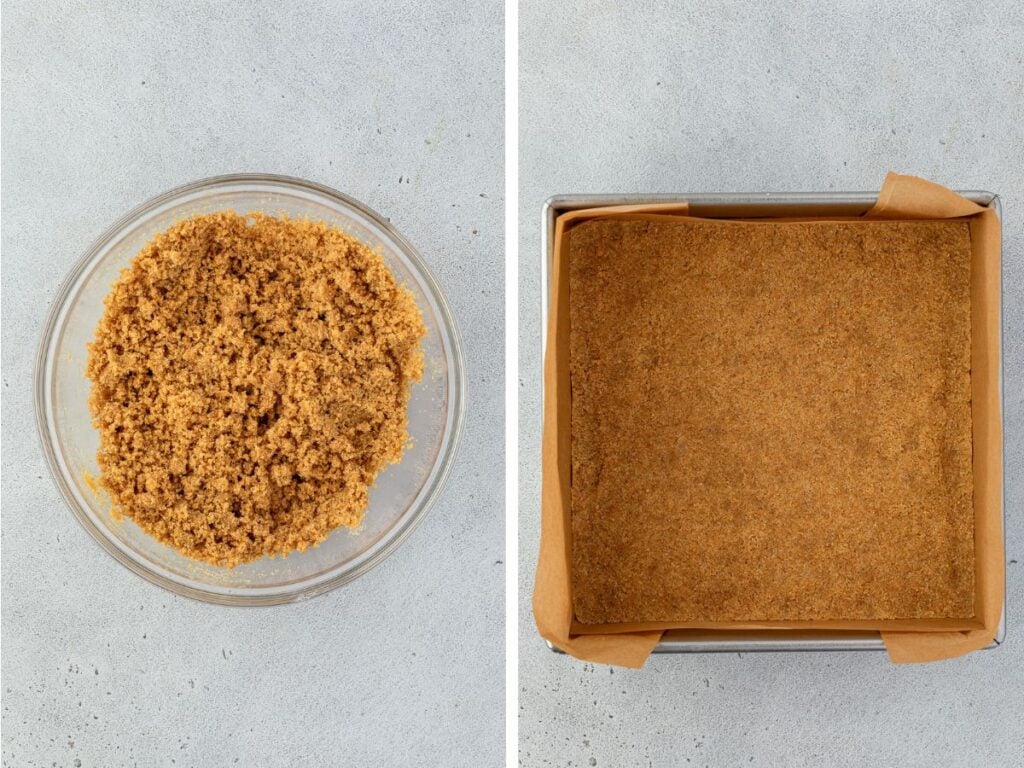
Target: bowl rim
406	524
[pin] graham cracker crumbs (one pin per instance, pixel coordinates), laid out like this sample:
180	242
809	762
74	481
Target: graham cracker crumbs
251	377
770	421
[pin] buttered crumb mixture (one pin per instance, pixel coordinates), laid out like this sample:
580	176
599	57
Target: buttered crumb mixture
251	377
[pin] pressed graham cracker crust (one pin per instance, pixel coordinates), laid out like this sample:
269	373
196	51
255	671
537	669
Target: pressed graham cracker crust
770	421
251	378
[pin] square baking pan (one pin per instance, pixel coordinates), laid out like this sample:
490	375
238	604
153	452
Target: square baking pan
752	206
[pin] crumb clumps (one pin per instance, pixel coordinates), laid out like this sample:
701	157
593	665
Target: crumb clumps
251	377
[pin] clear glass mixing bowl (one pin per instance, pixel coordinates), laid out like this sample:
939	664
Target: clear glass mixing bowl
402	493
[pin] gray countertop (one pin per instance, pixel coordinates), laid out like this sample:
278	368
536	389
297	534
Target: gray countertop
726	97
397	104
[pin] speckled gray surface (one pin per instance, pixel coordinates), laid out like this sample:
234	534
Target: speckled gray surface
107	104
725	97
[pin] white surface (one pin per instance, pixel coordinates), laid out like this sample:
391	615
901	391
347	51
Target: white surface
107	104
724	97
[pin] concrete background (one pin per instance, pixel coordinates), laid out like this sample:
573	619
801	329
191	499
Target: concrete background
731	96
107	104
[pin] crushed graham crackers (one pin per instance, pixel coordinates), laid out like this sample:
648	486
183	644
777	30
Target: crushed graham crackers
770	421
251	377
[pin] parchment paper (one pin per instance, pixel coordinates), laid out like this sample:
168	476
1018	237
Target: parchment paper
901	197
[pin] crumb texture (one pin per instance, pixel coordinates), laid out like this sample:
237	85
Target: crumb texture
770	421
251	377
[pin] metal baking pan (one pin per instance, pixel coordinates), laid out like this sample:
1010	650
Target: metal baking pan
759	205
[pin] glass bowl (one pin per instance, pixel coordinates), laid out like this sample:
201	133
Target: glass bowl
402	493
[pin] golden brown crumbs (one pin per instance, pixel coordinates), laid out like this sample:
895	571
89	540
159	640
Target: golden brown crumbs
251	377
770	421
